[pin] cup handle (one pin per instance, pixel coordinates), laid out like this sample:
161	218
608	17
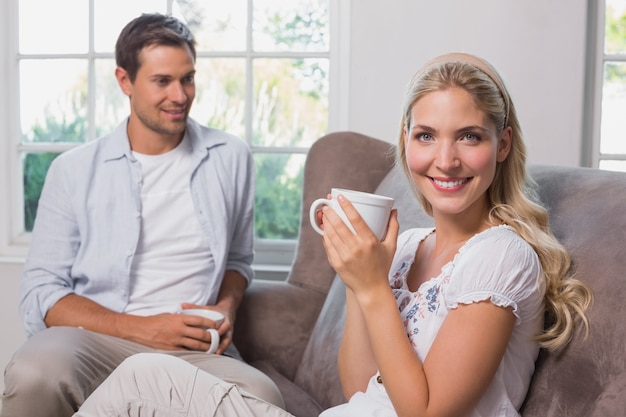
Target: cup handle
215	340
317	204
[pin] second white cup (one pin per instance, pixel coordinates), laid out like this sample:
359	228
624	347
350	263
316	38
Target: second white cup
216	316
373	208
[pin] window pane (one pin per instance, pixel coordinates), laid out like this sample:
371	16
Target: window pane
613	123
216	25
111	104
110	16
220	94
290	102
53	104
278	195
45	28
290	25
613	165
35	168
615	33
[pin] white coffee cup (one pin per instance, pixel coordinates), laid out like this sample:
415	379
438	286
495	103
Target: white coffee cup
373	208
216	316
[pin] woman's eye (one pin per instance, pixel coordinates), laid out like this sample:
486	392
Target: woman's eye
471	137
424	137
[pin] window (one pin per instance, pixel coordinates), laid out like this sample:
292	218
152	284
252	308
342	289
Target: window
610	123
267	71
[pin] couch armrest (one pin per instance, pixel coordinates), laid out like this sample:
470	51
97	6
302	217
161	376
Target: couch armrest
274	323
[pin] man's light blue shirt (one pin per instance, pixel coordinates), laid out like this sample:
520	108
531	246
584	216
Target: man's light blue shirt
88	221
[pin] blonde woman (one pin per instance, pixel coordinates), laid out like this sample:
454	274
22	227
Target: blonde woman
448	321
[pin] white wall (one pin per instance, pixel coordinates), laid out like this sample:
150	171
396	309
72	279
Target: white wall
537	45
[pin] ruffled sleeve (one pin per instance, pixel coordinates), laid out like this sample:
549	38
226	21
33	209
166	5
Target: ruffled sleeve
499	266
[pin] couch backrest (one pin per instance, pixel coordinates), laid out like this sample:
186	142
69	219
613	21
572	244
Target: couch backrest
588	214
344	160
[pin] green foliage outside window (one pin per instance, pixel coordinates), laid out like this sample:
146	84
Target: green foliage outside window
35	167
278	175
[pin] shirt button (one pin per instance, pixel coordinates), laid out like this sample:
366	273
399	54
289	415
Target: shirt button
129	253
137	214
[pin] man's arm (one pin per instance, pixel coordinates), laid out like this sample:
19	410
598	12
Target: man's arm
231	293
77	311
162	331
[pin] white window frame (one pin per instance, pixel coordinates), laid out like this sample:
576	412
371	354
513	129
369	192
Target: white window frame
595	81
271	255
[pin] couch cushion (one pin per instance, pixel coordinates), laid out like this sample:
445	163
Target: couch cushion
297	401
317	373
587	213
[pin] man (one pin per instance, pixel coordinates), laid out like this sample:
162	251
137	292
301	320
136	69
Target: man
155	217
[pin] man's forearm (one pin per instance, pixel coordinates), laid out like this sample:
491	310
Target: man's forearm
231	292
78	311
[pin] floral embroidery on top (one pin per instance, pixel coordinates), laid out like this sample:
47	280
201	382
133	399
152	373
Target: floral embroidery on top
431	298
397	279
415	306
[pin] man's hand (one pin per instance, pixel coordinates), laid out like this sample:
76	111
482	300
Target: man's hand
178	331
225	328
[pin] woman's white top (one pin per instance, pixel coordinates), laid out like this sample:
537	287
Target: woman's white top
495	265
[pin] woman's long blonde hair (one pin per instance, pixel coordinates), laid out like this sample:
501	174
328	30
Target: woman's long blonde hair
511	195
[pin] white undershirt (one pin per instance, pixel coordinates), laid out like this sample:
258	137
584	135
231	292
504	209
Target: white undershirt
173	259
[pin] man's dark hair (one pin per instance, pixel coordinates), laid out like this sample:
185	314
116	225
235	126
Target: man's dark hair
147	30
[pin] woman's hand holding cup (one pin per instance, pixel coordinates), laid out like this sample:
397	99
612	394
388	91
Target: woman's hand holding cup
373	208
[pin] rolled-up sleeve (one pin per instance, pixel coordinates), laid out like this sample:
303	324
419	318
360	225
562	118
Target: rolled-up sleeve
55	239
241	251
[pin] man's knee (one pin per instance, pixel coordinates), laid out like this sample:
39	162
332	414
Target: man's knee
39	385
39	368
262	386
55	367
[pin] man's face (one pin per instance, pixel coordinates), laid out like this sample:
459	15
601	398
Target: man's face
162	92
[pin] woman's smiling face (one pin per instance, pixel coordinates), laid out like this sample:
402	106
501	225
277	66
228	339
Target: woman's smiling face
452	148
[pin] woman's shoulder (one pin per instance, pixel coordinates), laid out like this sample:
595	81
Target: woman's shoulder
497	264
499	249
501	238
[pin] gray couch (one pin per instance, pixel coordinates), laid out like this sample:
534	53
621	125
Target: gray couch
291	330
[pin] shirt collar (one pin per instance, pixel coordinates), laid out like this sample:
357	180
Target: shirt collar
118	145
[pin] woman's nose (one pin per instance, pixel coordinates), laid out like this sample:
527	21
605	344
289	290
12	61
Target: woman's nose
447	157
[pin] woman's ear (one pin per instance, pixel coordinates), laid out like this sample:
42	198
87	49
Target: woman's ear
504	144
